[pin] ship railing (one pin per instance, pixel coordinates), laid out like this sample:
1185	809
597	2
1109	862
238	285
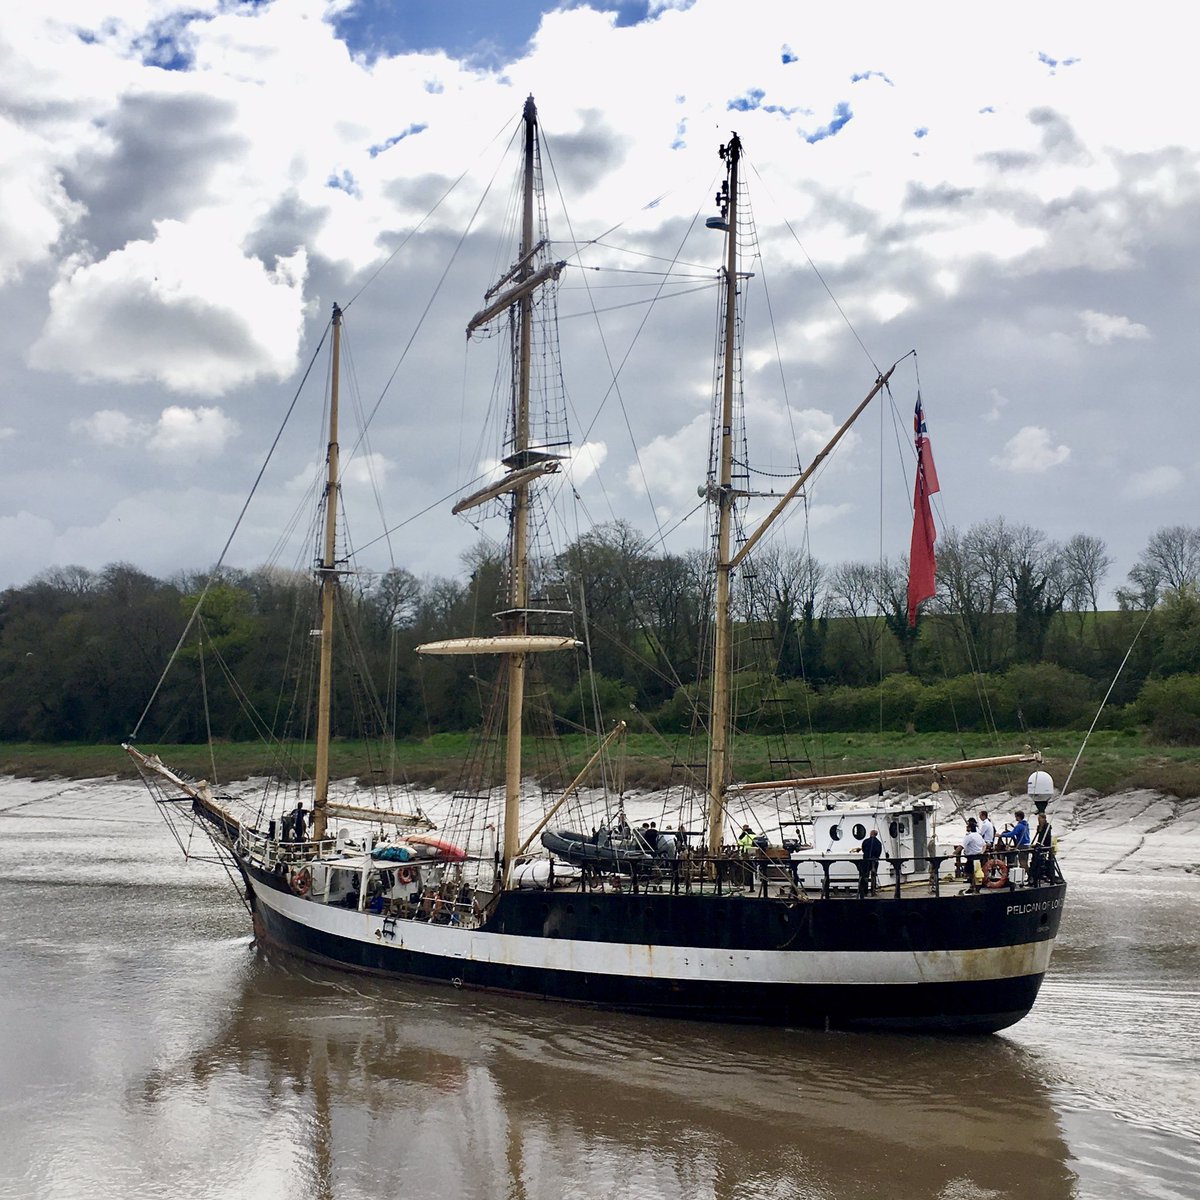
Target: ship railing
1030	867
269	851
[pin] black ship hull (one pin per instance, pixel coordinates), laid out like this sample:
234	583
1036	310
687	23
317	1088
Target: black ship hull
970	964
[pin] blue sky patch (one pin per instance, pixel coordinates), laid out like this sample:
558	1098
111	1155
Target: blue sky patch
380	147
860	76
748	101
841	114
752	100
345	182
1054	63
165	43
484	35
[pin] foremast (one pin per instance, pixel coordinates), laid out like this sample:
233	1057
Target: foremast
328	576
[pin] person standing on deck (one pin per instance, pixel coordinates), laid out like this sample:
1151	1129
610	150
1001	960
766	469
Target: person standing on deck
972	848
987	830
1018	835
872	852
1043	843
299	821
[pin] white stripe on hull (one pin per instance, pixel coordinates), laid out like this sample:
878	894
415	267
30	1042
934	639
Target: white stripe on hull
683	963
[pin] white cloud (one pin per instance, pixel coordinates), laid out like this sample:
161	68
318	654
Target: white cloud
1157	481
1101	328
186	432
787	439
586	461
110	427
188	309
1031	451
6	432
366	471
35	209
180	433
672	465
999	403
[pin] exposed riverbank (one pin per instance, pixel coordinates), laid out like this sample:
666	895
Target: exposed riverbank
1114	762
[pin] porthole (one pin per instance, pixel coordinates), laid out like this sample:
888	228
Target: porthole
859	831
894	829
835	832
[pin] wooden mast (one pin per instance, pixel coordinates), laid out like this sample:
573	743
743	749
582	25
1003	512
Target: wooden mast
518	622
327	570
720	717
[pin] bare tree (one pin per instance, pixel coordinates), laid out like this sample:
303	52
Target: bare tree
1170	561
1085	564
973	584
394	598
854	593
786	589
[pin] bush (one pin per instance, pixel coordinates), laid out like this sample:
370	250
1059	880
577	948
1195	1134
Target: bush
1171	709
575	708
1044	696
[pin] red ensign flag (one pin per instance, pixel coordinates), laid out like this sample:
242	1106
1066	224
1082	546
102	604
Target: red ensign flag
922	567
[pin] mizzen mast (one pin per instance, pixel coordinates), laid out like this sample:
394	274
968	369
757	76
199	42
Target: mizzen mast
327	573
720	717
724	495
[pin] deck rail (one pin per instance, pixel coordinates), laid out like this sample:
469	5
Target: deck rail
1031	867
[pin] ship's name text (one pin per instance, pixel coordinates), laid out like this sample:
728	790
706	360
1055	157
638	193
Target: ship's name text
1017	910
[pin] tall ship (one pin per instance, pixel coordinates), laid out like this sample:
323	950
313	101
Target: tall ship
565	896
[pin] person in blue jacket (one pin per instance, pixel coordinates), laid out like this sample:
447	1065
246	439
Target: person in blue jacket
1018	835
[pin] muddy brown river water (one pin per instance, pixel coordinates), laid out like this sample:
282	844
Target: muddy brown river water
147	1049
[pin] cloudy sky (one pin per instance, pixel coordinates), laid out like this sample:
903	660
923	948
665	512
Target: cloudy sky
185	190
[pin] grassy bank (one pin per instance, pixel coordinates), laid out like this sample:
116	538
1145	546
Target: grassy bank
1114	761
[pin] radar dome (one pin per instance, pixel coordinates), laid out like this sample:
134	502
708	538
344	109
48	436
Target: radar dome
1040	784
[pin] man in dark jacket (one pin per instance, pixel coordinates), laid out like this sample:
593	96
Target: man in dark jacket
872	852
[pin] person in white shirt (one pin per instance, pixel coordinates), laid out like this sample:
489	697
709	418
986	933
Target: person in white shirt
987	830
973	849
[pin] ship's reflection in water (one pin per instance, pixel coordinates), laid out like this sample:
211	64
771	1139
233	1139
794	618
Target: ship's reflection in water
339	1085
150	1050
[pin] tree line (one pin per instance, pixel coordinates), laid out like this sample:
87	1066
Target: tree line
1014	638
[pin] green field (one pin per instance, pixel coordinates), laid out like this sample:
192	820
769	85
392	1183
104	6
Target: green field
1113	760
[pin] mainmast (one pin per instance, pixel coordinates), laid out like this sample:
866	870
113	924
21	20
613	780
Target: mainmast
527	462
518	617
720	717
327	571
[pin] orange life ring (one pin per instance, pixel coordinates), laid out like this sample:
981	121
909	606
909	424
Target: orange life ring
995	873
405	874
302	881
